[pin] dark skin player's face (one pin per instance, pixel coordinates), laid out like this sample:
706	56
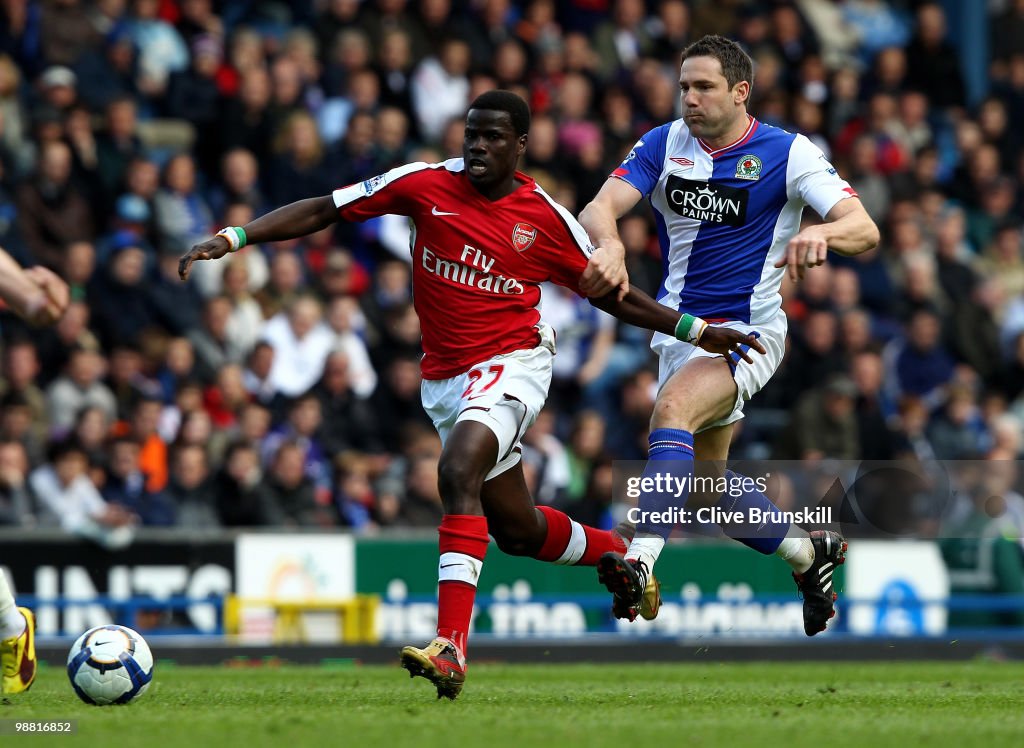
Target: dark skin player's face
491	150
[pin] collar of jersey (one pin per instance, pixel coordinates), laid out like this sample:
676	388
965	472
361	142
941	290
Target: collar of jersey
527	182
747	135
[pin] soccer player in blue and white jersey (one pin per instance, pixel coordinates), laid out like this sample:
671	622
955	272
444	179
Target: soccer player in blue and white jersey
727	193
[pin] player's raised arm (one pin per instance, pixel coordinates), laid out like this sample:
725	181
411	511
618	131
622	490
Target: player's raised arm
847	230
287	222
637	308
606	270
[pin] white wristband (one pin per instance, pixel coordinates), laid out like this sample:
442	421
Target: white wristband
234	241
696	330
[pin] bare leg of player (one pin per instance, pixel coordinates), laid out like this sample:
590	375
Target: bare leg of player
701	392
470	452
546	534
504	507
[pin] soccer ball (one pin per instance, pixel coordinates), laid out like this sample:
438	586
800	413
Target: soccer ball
110	665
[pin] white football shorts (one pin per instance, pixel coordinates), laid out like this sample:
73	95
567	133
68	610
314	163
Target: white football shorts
505	394
750	378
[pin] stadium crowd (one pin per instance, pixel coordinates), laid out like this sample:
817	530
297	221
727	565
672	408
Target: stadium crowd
282	387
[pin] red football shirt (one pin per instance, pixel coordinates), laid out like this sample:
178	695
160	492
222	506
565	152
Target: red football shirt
477	265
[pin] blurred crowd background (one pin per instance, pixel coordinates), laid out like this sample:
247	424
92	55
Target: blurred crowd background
281	386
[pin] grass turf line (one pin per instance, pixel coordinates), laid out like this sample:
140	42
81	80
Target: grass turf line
524	706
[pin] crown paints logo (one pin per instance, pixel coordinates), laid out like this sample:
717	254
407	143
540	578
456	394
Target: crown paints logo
748	167
706	202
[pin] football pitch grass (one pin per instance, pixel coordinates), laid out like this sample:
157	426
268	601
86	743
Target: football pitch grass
530	706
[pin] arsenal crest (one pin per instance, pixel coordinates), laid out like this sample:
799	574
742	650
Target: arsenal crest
523	236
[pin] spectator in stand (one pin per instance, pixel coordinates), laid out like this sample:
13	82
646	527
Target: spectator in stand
354	498
16	426
348	324
957	431
298	169
933	65
285	283
125	485
51	211
182	214
121	297
20	369
301	343
349	422
239	183
823	424
143	428
240	502
68	499
189	489
440	88
248	121
161	50
302	427
213	347
396	401
421	504
194	96
79	387
289	490
15	500
117	146
918	364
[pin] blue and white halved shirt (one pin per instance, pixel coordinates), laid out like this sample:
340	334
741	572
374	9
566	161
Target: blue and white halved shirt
724	216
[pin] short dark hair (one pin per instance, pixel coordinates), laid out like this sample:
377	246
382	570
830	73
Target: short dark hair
736	64
506	101
60	449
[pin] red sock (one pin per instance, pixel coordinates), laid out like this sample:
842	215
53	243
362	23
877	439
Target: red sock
569	542
463	545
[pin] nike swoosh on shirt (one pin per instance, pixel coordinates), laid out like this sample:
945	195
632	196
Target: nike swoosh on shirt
436	212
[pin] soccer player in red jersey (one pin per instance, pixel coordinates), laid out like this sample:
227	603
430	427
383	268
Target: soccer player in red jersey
486	236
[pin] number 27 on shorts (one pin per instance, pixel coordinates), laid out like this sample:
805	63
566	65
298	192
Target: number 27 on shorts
480	381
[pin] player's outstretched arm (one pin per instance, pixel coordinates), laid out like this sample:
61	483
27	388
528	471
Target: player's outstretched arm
35	294
606	270
639	309
848	230
287	222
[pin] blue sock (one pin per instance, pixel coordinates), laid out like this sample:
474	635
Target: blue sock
666	445
762	537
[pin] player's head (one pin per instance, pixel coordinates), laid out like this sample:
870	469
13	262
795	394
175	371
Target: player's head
715	78
495	137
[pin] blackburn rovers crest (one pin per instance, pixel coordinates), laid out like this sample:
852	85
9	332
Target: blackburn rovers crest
748	167
523	236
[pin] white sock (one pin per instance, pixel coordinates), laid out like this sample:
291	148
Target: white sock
797	551
12	622
645	547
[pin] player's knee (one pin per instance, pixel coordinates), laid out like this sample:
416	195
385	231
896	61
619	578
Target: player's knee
459	481
671	411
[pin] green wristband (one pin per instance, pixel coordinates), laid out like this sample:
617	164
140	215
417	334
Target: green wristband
242	238
683	327
690	328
